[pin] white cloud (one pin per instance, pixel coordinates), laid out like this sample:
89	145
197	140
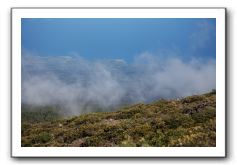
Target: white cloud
79	84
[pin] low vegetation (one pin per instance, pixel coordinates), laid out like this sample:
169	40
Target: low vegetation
186	122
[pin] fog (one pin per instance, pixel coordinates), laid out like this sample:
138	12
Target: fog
81	85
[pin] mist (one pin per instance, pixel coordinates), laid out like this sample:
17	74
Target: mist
80	85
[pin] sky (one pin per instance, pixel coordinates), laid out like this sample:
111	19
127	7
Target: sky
123	38
86	63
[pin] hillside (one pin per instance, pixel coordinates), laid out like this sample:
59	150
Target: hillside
189	121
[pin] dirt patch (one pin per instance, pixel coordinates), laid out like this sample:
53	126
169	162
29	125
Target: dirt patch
77	143
110	122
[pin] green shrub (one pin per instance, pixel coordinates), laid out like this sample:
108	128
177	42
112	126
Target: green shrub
39	114
205	115
43	137
158	140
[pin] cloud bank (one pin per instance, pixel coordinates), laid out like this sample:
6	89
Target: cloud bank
81	85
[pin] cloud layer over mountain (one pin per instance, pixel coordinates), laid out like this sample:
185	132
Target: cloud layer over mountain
80	85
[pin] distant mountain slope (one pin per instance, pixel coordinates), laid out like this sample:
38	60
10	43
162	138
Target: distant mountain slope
189	121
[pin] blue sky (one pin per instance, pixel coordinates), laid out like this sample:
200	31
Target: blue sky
120	38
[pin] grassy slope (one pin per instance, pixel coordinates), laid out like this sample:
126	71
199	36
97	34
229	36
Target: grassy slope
186	122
